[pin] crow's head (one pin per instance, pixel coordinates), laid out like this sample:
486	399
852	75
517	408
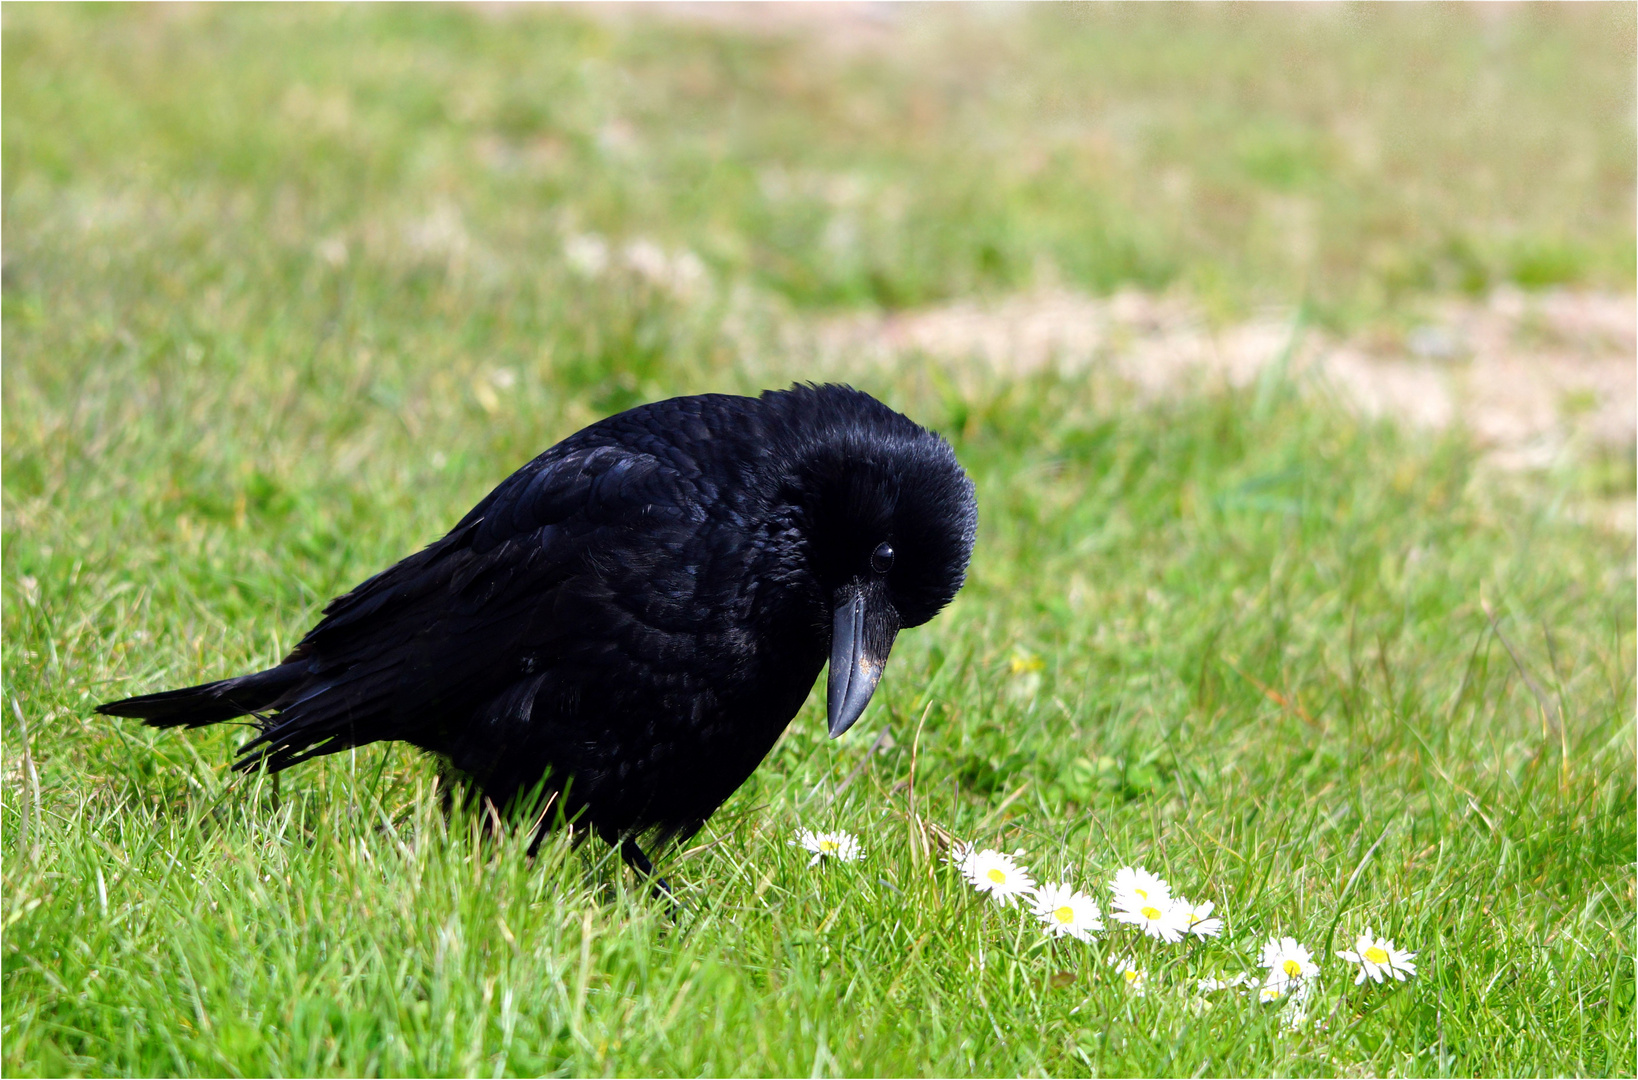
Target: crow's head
888	519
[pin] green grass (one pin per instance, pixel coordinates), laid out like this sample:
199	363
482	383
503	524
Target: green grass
285	293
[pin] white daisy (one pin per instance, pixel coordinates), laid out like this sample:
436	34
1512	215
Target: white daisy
1212	985
1377	959
1065	911
1288	963
1299	991
1197	918
1295	1018
961	856
998	874
829	845
1133	884
1159	919
1296	1015
1130	973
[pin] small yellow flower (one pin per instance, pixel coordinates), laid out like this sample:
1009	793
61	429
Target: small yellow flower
1023	663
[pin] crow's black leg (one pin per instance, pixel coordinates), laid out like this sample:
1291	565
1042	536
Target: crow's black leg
634	857
540	834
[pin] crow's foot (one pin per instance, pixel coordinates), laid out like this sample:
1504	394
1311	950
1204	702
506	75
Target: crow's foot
634	857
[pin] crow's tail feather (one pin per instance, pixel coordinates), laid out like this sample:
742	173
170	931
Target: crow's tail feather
196	706
300	714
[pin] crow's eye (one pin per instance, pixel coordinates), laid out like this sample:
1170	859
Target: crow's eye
881	560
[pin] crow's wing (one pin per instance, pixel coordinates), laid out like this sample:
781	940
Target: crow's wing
445	629
531	521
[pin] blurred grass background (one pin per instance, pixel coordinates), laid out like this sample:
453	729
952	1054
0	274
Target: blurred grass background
1347	155
286	289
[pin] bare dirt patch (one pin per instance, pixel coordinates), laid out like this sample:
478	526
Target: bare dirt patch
1532	377
844	27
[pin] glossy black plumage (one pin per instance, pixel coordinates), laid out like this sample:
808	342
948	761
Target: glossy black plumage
642	608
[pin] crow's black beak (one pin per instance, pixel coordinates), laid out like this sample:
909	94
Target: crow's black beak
861	636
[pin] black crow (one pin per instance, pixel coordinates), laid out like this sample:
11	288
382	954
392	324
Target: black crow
631	619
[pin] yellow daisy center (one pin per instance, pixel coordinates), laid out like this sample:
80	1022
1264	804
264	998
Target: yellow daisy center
1141	894
1129	975
1376	955
1292	968
1151	913
1194	917
829	845
997	876
1065	914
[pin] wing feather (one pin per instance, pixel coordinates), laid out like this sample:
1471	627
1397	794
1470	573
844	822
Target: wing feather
454	625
